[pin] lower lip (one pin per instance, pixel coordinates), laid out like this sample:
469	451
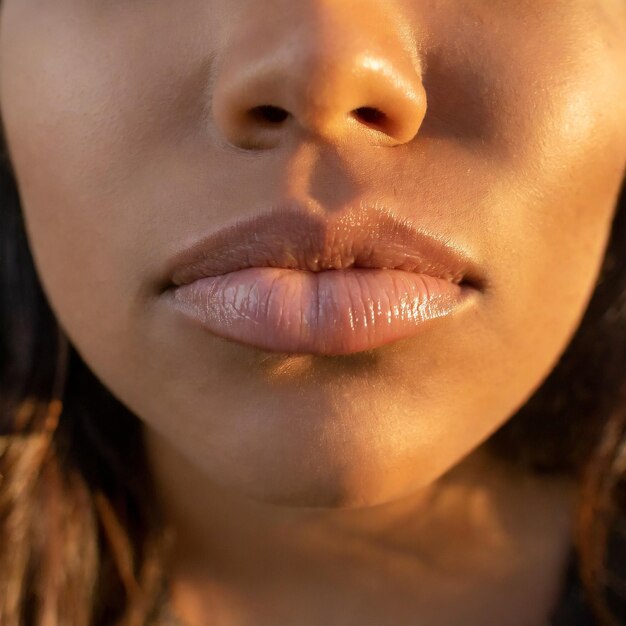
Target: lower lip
324	313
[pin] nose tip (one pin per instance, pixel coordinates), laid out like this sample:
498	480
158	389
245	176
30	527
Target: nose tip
334	78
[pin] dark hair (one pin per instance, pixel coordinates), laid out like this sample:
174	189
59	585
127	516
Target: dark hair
82	542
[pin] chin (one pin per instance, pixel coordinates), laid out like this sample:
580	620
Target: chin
356	487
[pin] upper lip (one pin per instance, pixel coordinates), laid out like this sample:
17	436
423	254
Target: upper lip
288	236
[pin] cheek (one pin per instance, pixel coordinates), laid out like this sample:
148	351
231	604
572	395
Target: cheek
84	103
554	243
548	235
561	111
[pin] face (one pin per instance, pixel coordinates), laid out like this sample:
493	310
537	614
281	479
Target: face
506	138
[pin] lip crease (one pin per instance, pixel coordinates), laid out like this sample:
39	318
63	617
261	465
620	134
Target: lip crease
268	280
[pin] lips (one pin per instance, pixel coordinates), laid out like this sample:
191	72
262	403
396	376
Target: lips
292	281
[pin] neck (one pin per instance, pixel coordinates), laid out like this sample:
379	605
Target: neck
481	525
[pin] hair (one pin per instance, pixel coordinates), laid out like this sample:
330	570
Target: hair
82	541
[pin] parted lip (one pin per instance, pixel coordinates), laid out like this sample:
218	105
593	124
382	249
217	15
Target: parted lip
288	236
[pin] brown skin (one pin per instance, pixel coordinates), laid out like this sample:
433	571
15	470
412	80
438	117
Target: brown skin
117	120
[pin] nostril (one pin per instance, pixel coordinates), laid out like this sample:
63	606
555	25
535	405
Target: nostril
269	113
370	115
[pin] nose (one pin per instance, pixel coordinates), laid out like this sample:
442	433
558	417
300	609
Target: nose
340	71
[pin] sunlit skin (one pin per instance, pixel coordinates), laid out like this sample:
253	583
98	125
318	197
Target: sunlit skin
313	489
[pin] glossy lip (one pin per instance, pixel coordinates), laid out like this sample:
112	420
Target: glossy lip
290	281
288	236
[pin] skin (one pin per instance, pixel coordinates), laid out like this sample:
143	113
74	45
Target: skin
313	489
